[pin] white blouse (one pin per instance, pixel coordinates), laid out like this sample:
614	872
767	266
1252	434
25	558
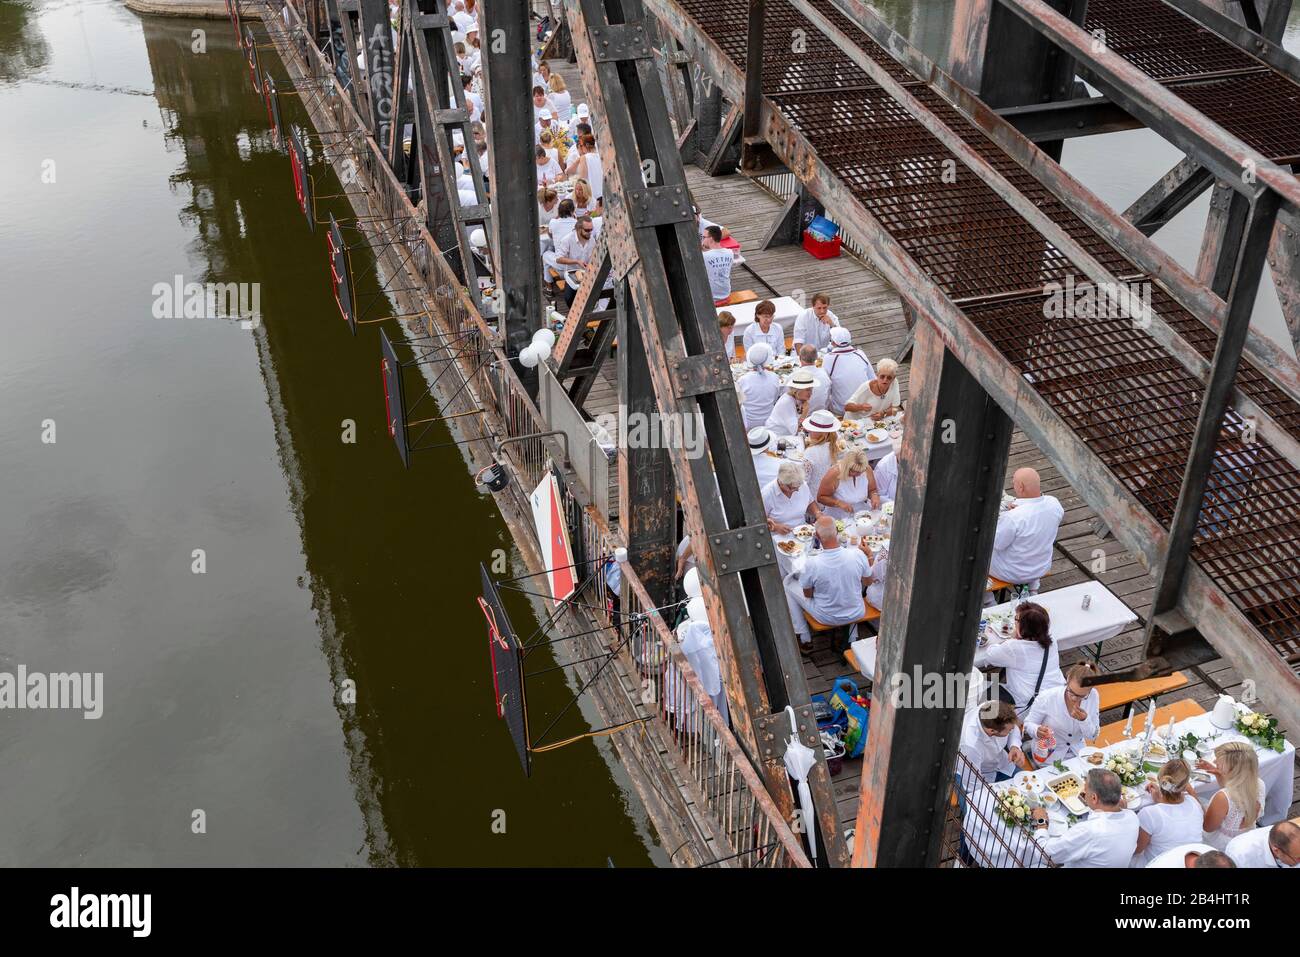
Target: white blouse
1022	660
877	403
1169	825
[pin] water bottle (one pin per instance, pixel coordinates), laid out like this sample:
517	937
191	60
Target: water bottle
1043	748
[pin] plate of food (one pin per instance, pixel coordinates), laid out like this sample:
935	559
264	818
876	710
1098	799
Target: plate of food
875	542
790	547
793	452
876	436
1093	756
1029	781
1067	788
804	533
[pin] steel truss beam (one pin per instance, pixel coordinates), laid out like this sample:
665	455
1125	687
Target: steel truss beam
950	474
440	109
1202	600
508	76
654	247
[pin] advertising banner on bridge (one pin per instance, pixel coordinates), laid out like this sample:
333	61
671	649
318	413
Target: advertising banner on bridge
553	533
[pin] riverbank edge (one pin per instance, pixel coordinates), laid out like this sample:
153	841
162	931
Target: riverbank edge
194	9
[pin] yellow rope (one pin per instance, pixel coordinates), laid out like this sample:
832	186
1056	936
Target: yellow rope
589	734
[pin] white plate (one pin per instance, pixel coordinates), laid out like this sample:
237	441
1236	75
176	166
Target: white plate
804	533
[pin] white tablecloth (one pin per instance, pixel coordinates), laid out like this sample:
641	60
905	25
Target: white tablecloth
1276	770
787	310
1074	626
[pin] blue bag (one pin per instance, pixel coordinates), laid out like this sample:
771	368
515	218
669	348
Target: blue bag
854	716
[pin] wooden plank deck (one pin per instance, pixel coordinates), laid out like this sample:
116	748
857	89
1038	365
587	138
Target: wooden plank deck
871	309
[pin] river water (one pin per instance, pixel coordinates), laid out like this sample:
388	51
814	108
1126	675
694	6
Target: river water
225	736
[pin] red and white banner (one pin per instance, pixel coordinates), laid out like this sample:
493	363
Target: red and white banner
553	533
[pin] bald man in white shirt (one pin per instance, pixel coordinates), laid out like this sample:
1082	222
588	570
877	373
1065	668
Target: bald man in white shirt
1276	847
1022	545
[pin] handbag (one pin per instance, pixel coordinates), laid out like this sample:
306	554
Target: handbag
851	712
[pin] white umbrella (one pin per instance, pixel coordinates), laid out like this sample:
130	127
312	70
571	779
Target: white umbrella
799	759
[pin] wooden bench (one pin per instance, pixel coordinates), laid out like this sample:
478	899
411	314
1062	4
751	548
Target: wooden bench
737	297
1113	733
1126	692
870	613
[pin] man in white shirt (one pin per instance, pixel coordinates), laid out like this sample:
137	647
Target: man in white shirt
821	393
575	251
846	367
765	329
887	477
1277	847
1192	856
991	741
718	261
1022	546
472	99
787	501
830	586
814	325
1107	837
1069	713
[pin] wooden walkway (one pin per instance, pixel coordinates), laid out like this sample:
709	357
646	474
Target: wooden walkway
871	309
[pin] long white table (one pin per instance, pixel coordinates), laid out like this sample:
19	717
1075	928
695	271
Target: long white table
1276	770
1072	625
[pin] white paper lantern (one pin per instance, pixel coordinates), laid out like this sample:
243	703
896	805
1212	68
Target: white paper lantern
542	349
528	358
478	238
696	611
544	335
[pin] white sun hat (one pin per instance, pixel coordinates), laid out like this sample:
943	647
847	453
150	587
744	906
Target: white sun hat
821	421
760	439
758	353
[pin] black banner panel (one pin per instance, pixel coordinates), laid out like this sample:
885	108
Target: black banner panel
272	99
507	669
301	181
394	397
341	274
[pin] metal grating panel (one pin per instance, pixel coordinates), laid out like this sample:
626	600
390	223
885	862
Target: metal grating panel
1261	109
960	231
1161	42
1256	104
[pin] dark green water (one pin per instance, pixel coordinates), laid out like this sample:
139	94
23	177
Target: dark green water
325	561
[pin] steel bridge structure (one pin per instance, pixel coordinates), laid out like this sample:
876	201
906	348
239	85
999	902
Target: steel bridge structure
1176	421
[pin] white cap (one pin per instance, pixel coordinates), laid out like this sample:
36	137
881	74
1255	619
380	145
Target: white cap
543	114
696	610
758	353
583	110
841	336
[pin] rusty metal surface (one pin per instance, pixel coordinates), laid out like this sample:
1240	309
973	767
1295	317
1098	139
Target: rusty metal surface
1243	94
1129	400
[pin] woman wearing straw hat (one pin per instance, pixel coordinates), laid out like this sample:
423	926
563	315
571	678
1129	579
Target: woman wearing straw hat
793	405
820	446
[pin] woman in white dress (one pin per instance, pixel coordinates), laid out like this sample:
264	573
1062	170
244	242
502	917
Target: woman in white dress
561	99
793	406
849	487
1175	818
820	446
876	397
1237	807
1029	653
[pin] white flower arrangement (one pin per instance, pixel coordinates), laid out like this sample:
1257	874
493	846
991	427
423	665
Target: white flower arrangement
1013	807
1261	729
1127	768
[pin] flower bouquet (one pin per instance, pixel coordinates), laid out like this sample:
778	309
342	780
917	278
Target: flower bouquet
1262	730
1013	807
1127	768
